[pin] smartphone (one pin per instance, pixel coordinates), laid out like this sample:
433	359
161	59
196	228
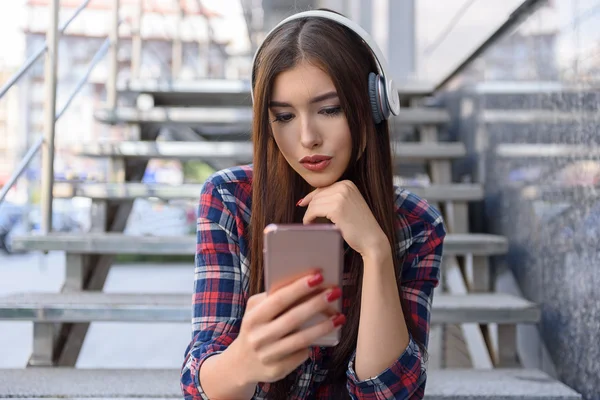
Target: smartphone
292	251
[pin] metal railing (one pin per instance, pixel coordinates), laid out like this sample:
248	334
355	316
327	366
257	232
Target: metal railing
527	8
46	142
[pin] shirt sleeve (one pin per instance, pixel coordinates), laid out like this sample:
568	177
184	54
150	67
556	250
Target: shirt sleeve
406	378
218	301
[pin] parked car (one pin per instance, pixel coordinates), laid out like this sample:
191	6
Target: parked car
13	223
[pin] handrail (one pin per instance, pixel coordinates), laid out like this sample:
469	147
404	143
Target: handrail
33	58
39	141
21	167
515	18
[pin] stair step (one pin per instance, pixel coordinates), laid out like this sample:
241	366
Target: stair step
243	150
63	382
547	151
129	191
217	92
119	243
97	306
198	93
533	117
216	116
242	116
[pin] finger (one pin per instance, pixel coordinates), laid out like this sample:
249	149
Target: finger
303	202
296	316
279	301
318	192
302	339
322	209
254	300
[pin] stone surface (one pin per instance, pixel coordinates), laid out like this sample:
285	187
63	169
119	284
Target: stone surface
129	307
104	383
117	243
124	191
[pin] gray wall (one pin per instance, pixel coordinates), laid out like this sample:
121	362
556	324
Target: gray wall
549	207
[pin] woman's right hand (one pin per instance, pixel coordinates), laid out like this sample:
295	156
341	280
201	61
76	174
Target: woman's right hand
270	344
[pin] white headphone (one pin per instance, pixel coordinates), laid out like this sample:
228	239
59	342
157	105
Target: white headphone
383	93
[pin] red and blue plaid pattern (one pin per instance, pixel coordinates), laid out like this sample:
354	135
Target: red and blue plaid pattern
221	280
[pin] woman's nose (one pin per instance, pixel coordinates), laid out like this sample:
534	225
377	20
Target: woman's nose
309	136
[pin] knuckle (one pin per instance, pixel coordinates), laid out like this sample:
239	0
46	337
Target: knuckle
254	342
303	341
278	300
274	373
263	358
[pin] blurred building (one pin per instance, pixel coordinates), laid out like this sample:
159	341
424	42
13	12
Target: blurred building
180	40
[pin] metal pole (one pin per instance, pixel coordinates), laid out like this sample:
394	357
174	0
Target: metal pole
177	56
136	51
111	85
50	70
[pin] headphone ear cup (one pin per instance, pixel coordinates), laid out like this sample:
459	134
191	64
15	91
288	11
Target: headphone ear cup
378	116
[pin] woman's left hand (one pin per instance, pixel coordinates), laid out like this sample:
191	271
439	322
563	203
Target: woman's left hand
343	204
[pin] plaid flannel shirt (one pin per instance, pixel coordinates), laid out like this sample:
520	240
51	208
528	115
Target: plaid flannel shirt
221	280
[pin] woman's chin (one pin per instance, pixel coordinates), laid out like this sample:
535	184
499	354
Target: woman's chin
320	181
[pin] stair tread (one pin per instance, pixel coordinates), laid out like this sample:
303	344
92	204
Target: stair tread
119	243
243	150
150	307
546	151
532	116
63	382
239	115
213	86
133	190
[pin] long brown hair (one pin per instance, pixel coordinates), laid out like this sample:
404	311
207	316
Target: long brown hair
276	187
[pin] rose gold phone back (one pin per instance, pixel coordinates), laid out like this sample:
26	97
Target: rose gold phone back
295	250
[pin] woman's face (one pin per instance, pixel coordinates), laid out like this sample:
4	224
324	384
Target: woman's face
309	126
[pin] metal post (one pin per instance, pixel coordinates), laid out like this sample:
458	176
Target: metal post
177	56
136	51
401	53
113	59
50	68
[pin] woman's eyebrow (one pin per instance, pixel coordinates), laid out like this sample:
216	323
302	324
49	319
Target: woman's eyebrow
317	99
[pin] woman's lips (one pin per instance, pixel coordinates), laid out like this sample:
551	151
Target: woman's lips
316	163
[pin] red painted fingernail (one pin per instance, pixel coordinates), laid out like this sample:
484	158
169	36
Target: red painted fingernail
315	280
299	201
335	294
339	319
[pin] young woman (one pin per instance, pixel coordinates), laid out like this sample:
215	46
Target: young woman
321	150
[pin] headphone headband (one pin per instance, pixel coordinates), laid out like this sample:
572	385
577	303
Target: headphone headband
382	68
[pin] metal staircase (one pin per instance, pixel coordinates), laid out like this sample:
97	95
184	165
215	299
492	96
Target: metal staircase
466	310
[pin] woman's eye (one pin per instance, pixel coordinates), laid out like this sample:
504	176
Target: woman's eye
283	117
331	111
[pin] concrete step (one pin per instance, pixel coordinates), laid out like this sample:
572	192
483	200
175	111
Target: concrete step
480	308
238	116
242	151
118	243
127	191
500	384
